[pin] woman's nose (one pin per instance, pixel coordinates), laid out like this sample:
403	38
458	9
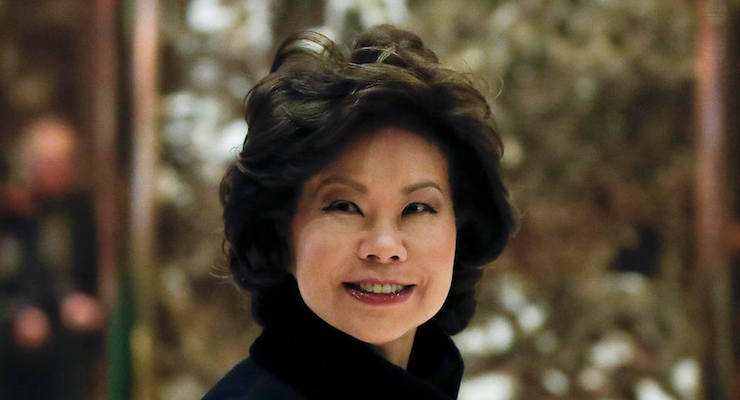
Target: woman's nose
383	244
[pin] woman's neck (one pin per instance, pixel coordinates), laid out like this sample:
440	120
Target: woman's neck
397	351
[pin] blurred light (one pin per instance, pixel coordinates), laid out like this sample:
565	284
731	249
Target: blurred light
180	104
471	341
631	283
591	379
491	386
513	153
205	73
504	16
219	148
335	12
172	189
555	381
231	139
685	376
371	12
177	140
473	58
397	10
500	334
209	16
181	387
612	351
259	18
648	389
188	119
205	114
496	337
238	86
531	318
511	294
195	130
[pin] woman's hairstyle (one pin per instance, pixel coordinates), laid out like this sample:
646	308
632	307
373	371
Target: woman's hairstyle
315	100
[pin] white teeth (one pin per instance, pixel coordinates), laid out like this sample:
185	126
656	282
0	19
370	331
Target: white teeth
378	288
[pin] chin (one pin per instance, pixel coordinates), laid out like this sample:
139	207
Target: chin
379	333
378	338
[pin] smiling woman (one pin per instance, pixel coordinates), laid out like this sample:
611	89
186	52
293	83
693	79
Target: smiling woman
374	240
363	204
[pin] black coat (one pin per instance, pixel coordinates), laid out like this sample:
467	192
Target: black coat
299	356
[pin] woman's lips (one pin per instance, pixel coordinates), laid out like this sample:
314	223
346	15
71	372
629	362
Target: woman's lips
377	282
377	294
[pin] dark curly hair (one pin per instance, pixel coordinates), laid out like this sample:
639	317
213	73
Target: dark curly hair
315	100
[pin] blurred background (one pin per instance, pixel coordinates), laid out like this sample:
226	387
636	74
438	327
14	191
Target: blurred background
619	120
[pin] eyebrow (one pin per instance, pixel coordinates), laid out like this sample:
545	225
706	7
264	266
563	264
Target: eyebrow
420	185
363	189
338	179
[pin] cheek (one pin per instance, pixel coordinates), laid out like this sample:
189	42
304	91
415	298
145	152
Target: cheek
313	250
435	250
438	260
437	243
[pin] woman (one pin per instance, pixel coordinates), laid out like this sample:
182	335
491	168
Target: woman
361	208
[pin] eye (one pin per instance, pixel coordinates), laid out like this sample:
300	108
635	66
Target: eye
416	208
343	206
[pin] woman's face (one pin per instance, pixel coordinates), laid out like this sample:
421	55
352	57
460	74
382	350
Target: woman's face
374	236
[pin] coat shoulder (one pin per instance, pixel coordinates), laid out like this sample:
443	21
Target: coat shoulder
249	381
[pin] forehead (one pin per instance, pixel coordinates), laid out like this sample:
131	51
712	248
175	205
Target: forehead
389	154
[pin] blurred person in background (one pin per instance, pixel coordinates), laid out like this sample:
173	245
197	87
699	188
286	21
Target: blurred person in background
51	320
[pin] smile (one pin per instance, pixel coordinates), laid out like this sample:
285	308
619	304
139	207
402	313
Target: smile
377	293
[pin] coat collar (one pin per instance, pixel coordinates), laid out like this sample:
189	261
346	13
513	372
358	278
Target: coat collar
320	361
